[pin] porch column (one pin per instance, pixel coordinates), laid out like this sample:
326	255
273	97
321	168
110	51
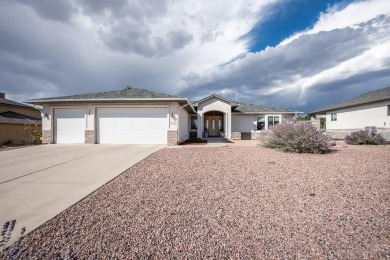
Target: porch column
225	130
200	124
229	125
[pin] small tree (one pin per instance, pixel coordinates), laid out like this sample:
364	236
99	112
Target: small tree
31	134
323	122
303	118
128	87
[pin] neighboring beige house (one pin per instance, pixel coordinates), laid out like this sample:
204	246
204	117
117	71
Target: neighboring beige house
139	116
14	117
371	109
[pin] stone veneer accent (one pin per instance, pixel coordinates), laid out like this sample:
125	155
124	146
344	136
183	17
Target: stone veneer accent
255	135
89	136
172	137
46	137
341	133
236	136
245	135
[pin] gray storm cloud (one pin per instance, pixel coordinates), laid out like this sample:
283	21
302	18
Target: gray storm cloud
252	77
71	47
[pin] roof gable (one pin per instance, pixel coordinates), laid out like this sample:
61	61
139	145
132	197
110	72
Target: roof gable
232	103
368	97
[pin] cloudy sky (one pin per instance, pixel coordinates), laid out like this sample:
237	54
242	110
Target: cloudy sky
297	54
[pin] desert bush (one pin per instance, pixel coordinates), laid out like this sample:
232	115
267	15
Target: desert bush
18	251
31	134
13	251
300	137
364	137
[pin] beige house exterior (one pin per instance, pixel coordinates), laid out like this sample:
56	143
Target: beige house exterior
140	116
14	118
371	109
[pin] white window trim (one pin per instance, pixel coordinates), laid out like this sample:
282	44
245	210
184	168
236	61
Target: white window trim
257	120
273	120
193	129
333	116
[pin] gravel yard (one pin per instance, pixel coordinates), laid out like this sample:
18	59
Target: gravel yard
232	202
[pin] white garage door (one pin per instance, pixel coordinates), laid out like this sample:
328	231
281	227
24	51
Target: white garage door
132	125
69	125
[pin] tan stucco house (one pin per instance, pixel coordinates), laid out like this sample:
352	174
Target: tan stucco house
370	109
140	116
14	117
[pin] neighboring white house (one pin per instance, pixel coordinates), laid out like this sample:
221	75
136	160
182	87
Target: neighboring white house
371	109
139	116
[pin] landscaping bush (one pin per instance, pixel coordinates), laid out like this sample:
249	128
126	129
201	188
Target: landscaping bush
31	134
364	137
300	137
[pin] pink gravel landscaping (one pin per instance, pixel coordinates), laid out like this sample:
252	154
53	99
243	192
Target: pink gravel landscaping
232	202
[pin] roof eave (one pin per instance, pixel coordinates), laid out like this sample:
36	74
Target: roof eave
322	111
189	105
22	106
102	100
267	112
59	100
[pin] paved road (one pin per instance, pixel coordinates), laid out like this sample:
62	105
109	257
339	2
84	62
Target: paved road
39	182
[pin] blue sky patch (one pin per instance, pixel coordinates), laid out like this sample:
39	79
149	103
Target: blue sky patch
287	18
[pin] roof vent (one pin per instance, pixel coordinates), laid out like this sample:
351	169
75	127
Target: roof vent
2	95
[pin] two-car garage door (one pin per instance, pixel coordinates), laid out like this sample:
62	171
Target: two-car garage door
143	125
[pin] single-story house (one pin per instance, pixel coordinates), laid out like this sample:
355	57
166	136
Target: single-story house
140	116
14	118
371	109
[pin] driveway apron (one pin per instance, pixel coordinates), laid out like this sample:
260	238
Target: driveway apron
39	182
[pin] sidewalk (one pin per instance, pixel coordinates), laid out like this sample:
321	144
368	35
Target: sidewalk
219	142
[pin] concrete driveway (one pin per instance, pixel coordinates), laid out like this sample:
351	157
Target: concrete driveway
39	182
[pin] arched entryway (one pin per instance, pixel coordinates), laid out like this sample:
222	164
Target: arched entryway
214	124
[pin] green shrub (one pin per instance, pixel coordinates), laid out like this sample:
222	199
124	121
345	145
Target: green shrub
364	137
300	137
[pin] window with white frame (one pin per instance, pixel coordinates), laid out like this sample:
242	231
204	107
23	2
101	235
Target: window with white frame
273	120
333	117
194	122
388	110
260	123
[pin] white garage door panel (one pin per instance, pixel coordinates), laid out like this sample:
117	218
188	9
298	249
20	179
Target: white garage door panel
69	125
132	125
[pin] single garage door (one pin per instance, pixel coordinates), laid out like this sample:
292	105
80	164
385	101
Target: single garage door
145	125
69	125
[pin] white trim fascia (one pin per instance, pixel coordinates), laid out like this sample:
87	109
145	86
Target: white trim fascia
33	101
337	107
51	101
265	113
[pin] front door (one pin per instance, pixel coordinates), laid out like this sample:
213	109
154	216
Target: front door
214	125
